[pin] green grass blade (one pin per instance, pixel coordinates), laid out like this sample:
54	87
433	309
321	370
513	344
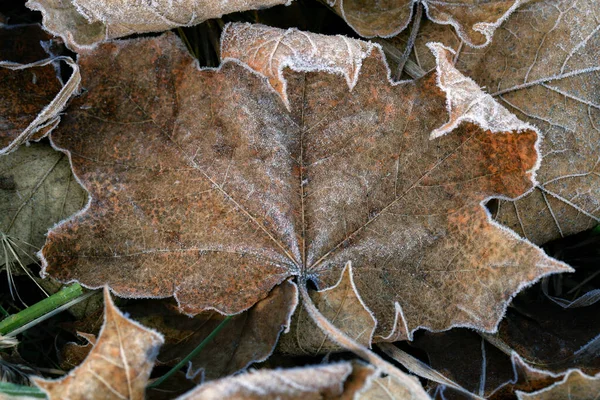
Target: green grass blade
40	308
12	389
192	354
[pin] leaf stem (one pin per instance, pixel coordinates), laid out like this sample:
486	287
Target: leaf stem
414	30
192	354
40	308
347	342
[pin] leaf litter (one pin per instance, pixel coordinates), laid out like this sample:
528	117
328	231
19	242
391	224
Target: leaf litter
328	142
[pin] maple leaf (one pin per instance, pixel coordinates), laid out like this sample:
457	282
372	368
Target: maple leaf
30	89
332	381
474	20
543	66
204	186
37	190
118	366
84	23
574	386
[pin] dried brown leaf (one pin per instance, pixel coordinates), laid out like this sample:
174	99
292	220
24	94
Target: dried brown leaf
84	23
72	354
474	20
318	382
119	365
478	366
574	386
204	186
526	379
391	388
543	66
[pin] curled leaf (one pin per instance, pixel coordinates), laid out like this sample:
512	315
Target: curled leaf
29	86
85	23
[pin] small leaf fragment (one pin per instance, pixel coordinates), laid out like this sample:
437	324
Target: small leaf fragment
574	386
315	382
118	366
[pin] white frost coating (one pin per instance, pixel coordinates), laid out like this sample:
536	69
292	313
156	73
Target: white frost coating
487	29
270	50
285	383
533	395
85	23
465	101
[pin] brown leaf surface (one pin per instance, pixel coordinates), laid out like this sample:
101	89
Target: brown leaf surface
72	354
248	338
574	386
84	23
474	20
204	186
340	304
318	382
119	365
25	92
391	388
543	66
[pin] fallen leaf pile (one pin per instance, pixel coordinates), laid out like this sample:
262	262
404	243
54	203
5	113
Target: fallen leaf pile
314	195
